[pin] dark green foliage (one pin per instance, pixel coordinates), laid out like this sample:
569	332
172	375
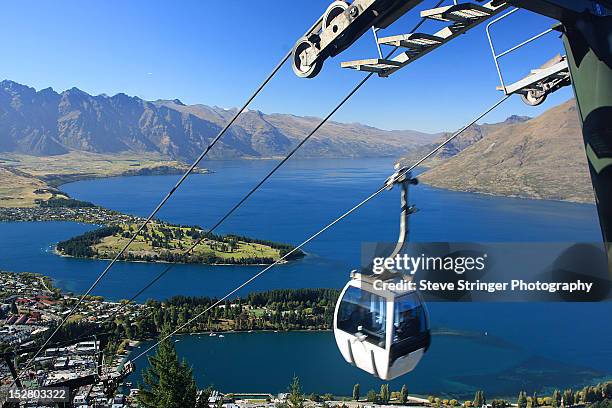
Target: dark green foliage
74	329
81	246
556	398
168	383
286	309
64	202
499	403
385	395
296	396
479	399
403	396
594	394
522	400
534	400
372	396
568	397
356	392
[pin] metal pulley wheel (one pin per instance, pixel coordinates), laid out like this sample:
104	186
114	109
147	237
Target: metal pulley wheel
334	10
534	97
300	68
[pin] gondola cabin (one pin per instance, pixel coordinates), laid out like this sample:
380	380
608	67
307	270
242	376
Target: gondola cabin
382	332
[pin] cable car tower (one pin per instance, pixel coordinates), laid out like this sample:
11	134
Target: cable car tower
386	332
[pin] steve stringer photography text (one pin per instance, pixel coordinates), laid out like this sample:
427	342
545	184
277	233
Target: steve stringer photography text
463	285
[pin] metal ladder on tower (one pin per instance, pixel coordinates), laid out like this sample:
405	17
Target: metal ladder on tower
462	17
542	81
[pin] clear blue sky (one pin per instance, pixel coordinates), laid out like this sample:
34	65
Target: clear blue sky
216	52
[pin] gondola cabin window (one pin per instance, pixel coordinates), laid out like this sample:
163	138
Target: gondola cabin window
363	314
409	318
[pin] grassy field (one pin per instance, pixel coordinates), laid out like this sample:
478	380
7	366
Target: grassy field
158	238
19	189
24	179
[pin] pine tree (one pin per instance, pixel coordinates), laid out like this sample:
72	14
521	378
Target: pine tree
556	398
568	397
168	383
356	392
296	397
403	394
478	399
384	393
522	400
202	401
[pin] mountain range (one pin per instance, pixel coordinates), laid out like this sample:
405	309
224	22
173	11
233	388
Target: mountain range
46	123
540	157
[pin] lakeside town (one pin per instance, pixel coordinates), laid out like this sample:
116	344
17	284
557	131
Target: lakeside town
96	368
30	308
83	213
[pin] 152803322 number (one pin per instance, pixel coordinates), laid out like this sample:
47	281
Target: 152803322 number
49	394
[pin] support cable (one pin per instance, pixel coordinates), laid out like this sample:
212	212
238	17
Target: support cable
160	205
262	181
401	172
236	206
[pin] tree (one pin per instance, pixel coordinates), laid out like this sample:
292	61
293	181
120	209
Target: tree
403	397
371	396
498	403
314	397
568	397
296	396
531	403
168	383
202	400
607	390
356	392
384	393
522	400
556	398
479	399
590	395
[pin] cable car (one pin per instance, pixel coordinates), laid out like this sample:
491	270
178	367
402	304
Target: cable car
380	330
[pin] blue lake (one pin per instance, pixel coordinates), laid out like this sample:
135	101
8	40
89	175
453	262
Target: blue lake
305	195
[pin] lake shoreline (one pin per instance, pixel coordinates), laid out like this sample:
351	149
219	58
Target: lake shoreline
308	195
189	343
58	253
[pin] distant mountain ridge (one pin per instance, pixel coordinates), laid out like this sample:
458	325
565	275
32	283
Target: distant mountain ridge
542	157
46	122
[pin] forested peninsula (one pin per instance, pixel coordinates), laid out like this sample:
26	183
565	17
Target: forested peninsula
164	242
